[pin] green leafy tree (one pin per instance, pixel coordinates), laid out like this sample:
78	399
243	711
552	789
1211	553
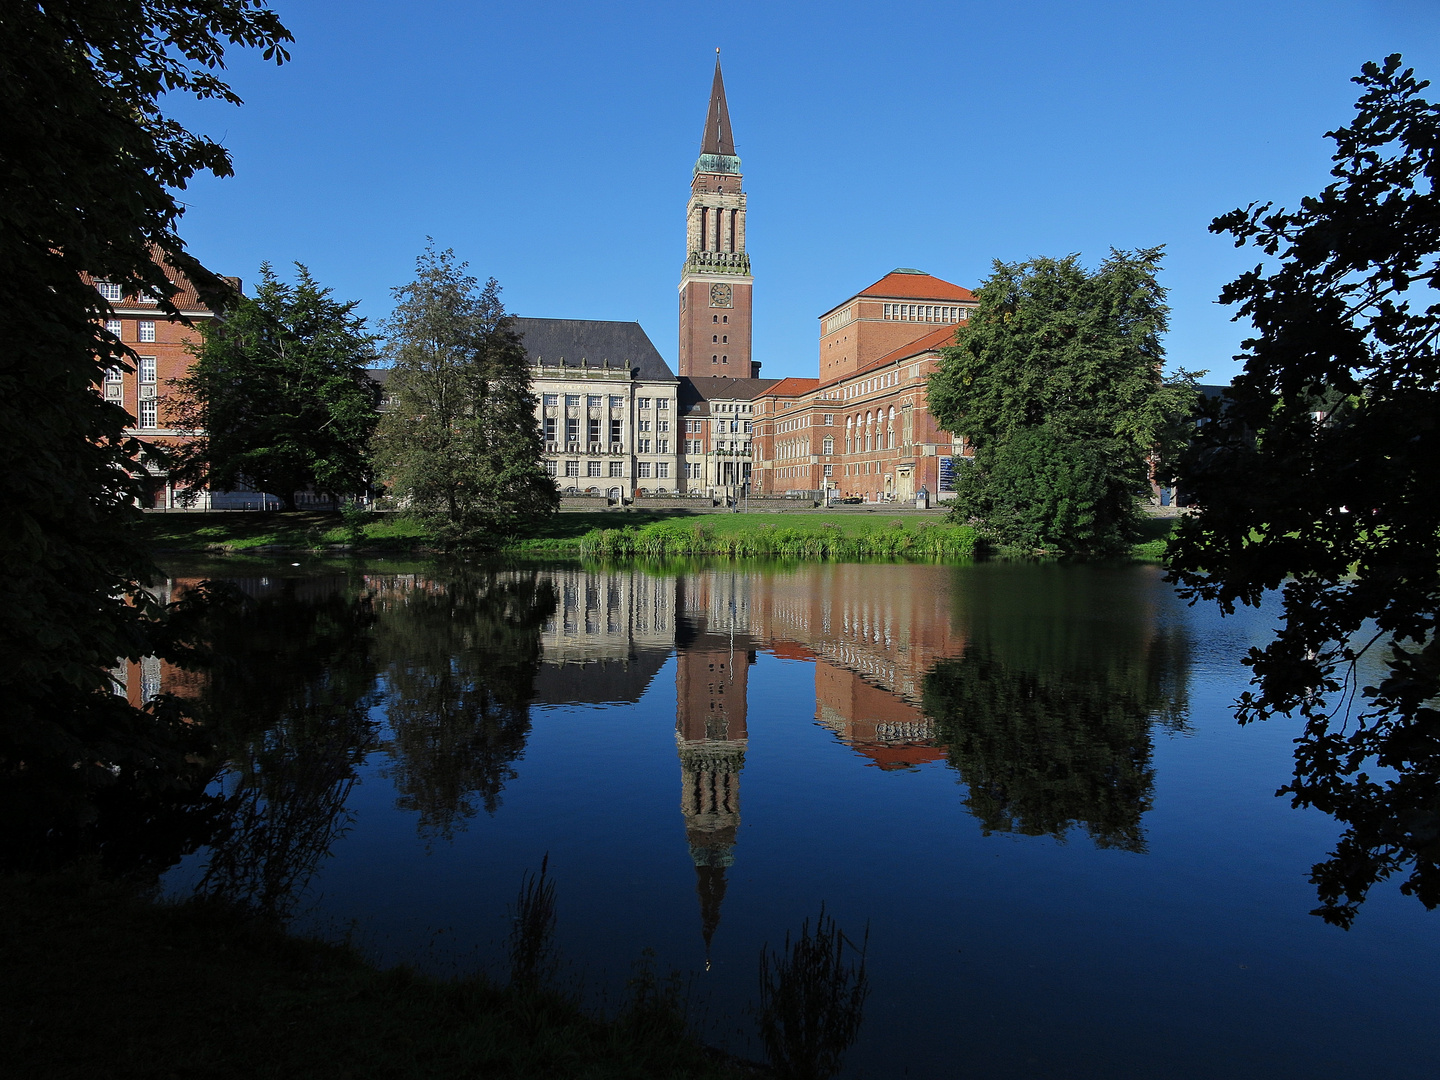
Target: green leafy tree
1056	380
460	447
87	185
1316	475
278	396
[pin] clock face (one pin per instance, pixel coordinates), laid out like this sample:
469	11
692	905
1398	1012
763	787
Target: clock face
720	296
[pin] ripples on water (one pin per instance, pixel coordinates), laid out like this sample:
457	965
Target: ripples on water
1025	778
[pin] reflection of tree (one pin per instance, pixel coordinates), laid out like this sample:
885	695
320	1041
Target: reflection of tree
1047	713
462	653
291	695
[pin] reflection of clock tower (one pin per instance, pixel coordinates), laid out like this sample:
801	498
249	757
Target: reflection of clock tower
715	283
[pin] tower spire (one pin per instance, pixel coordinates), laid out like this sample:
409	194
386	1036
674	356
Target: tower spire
718	138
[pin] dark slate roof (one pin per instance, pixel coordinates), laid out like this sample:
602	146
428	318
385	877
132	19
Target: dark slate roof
568	341
717	138
695	394
379	375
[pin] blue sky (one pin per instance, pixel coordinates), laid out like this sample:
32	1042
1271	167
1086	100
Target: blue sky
551	145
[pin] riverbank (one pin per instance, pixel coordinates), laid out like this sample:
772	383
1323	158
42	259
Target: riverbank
96	981
883	532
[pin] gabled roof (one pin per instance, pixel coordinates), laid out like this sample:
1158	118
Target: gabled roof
696	393
792	387
187	298
717	138
907	284
566	342
939	338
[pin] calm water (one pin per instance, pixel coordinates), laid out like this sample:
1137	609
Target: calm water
1025	779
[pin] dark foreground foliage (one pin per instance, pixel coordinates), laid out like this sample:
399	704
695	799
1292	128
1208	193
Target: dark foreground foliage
1316	474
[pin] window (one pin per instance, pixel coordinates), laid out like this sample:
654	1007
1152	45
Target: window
550	400
725	340
662	446
642	425
572	399
827	445
713	318
147	369
662	470
829	470
642	446
549	429
662	403
595	401
715	359
114	375
748	427
108	289
146	329
829	419
724	359
550	468
592	468
113	326
615	431
617	468
643	402
714	339
572	429
616	401
662	425
593	429
148	413
572	468
642	470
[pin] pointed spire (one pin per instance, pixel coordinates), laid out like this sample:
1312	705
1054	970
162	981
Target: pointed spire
718	138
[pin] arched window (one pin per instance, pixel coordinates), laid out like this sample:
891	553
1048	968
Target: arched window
715	338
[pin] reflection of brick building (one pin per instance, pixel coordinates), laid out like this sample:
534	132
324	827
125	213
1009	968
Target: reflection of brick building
711	684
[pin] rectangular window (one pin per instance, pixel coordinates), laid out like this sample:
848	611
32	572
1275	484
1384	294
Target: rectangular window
829	419
662	470
643	425
149	413
113	326
617	468
614	430
642	470
662	403
147	369
594	430
748	427
146	328
572	468
572	399
829	470
827	445
549	429
108	289
616	401
592	468
572	429
550	400
114	374
549	468
662	446
643	402
642	446
662	425
595	401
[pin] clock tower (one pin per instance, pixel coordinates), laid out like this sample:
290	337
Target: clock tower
715	282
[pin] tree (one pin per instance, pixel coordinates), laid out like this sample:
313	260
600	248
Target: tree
87	182
1315	475
460	446
278	397
1057	382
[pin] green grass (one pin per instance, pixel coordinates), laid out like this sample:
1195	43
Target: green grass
753	535
1155	531
95	981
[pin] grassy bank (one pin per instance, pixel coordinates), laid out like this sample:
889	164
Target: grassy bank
811	534
96	982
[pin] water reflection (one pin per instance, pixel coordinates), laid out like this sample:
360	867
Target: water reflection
1038	686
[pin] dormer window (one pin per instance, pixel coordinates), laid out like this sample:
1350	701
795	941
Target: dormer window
108	289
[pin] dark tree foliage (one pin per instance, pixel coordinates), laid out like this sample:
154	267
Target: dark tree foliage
287	700
460	447
1317	473
1056	380
278	396
461	653
88	171
1048	718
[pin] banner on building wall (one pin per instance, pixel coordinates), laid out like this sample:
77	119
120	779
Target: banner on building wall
947	474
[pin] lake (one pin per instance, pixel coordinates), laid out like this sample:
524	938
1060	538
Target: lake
1026	780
